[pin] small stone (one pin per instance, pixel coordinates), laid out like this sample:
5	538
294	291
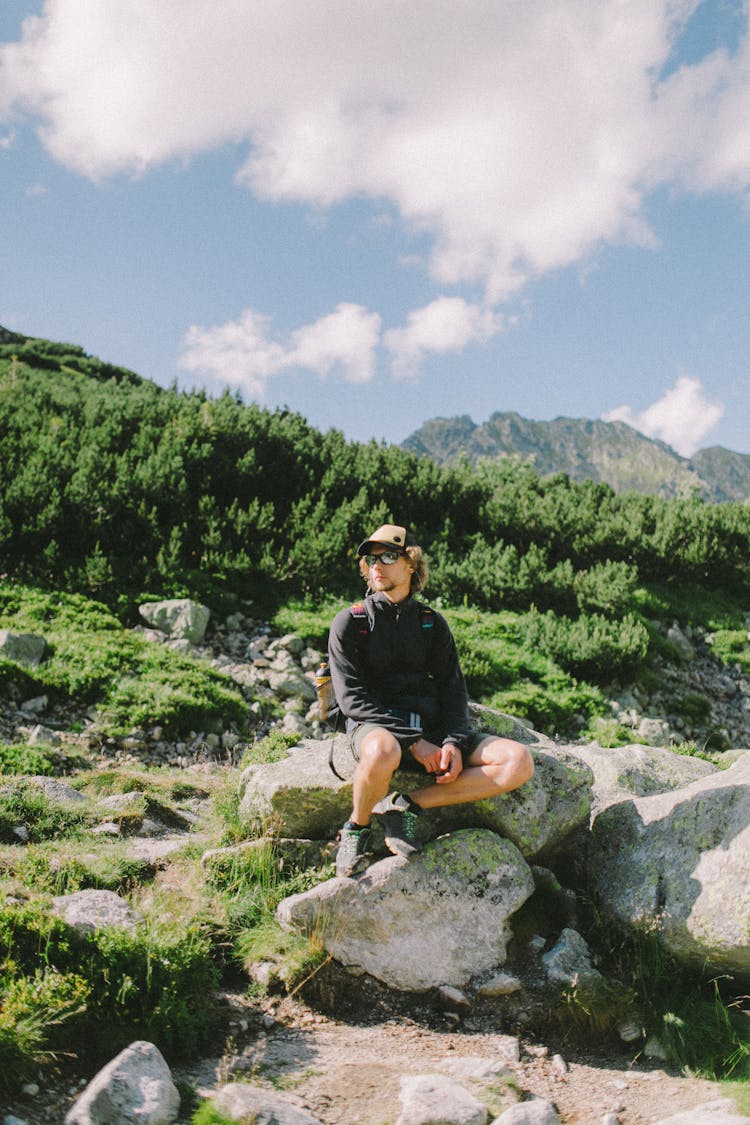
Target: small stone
43	736
655	1050
630	1031
503	984
35	705
560	1064
453	998
30	1089
106	828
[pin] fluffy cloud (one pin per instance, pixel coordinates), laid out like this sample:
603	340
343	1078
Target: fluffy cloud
516	136
241	354
446	325
682	417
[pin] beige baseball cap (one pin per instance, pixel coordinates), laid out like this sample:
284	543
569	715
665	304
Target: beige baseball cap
389	535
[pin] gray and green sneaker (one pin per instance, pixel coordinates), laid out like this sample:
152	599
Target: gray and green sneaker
400	819
353	850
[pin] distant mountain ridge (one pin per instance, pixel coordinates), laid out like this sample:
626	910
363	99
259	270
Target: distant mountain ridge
611	452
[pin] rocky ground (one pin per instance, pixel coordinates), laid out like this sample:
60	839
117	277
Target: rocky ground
340	1052
347	1071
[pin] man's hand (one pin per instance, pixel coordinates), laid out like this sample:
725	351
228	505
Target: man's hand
451	763
444	761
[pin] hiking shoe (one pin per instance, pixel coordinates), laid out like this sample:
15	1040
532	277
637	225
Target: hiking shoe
353	852
401	824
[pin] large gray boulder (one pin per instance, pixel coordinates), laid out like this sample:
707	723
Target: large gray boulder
678	864
301	796
28	649
298	796
540	816
178	618
90	910
637	771
56	791
136	1086
439	918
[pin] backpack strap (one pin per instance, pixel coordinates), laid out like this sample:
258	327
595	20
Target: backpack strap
359	613
426	616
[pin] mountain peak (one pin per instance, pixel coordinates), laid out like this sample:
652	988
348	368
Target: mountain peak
612	453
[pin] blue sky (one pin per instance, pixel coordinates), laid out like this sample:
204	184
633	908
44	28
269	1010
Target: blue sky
376	215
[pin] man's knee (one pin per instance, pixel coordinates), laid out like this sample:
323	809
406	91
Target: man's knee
379	750
519	763
513	760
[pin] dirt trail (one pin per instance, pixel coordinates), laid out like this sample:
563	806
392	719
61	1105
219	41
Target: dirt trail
349	1073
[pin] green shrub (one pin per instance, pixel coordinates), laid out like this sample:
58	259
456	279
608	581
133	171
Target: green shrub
550	709
732	646
155	982
34	1013
607	587
591	646
20	758
503	670
696	708
179	694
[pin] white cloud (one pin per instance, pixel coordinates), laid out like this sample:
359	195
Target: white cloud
516	136
682	417
448	324
8	140
241	353
346	338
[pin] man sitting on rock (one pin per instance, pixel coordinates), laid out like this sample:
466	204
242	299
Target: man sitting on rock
397	680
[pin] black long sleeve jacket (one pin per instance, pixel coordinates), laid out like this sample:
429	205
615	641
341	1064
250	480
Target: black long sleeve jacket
393	662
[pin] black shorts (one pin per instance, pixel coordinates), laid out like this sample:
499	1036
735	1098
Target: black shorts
361	730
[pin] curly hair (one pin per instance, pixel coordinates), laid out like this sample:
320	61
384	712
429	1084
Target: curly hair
419	564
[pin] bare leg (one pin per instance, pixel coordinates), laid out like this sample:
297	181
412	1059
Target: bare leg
379	756
498	765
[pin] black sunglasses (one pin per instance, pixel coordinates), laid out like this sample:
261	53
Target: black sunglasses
387	558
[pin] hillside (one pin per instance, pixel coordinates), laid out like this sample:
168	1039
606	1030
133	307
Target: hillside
595	617
117	489
612	453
